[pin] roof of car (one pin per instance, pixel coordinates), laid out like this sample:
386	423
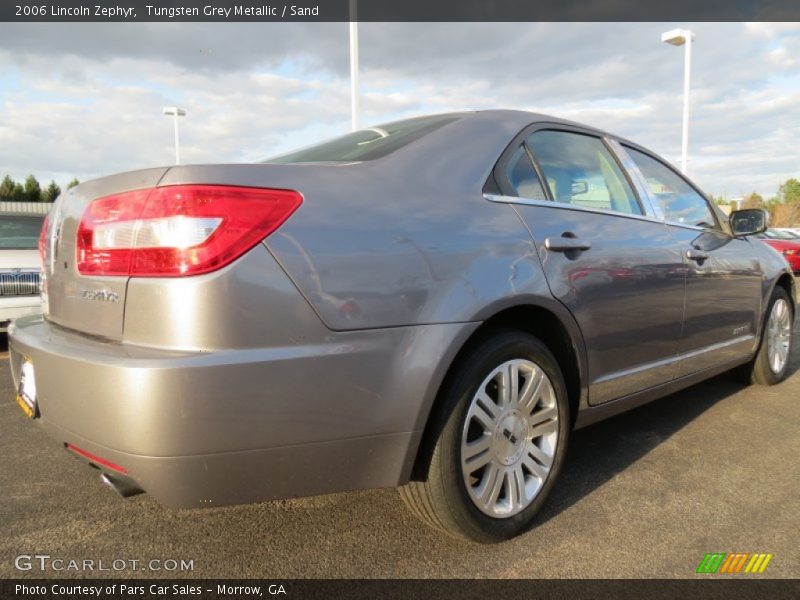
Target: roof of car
525	118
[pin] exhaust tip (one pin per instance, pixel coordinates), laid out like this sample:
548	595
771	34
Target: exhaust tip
123	488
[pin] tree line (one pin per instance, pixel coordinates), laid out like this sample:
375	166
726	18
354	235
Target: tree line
30	190
784	207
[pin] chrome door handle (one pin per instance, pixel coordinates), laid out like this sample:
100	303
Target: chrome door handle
696	255
565	244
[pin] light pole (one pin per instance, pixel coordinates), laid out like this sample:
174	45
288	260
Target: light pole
681	37
354	108
176	112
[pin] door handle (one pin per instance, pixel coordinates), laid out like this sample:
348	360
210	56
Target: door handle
565	244
696	255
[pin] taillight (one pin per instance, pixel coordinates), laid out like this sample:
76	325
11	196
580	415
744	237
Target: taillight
177	230
43	239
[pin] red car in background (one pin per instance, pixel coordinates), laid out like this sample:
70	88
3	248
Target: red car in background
785	243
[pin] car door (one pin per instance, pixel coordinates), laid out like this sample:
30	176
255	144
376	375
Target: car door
617	268
724	277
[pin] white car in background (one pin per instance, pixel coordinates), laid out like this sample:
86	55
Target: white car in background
19	266
792	230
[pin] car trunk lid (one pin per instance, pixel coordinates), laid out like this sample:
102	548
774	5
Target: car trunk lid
90	304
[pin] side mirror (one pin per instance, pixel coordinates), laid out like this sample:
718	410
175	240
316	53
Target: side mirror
749	221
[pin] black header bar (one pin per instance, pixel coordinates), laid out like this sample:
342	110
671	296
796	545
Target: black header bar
405	589
397	10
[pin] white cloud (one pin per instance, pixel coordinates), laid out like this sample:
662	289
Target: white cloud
772	30
85	100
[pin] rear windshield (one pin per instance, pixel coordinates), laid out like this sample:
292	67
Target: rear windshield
368	144
19	233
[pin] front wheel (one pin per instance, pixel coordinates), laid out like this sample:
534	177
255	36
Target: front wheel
502	439
771	363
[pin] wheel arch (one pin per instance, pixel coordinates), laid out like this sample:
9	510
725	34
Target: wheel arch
787	282
553	325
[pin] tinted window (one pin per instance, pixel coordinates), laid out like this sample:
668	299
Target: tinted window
679	201
368	144
522	176
20	232
580	171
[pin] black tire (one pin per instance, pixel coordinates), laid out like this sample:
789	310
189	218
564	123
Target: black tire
758	370
442	500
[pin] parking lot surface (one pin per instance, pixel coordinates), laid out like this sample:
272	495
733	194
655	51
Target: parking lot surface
711	469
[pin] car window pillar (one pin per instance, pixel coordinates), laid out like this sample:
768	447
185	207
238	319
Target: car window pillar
650	206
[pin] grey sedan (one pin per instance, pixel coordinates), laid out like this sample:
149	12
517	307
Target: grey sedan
433	303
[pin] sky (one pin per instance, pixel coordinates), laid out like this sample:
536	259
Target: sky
85	100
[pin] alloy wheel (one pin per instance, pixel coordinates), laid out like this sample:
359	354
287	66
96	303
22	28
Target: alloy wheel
779	335
509	438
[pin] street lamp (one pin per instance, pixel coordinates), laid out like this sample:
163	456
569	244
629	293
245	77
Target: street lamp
354	108
681	37
176	112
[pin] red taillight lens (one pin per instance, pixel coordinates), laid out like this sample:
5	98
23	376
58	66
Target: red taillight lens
106	233
43	239
178	230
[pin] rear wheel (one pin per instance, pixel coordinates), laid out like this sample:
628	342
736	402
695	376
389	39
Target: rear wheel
771	362
503	435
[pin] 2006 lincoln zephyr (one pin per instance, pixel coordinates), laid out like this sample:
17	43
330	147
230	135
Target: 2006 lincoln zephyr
432	303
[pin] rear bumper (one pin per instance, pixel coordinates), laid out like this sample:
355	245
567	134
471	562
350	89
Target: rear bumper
213	428
226	478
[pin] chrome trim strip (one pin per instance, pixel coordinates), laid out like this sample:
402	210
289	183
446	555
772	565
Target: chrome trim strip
675	359
561	206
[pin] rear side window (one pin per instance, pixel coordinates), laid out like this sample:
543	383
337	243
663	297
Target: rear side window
20	233
678	200
581	171
522	176
368	144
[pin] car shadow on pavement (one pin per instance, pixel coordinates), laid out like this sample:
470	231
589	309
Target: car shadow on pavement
55	506
601	451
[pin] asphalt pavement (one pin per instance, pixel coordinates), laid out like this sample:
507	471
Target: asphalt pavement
646	494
